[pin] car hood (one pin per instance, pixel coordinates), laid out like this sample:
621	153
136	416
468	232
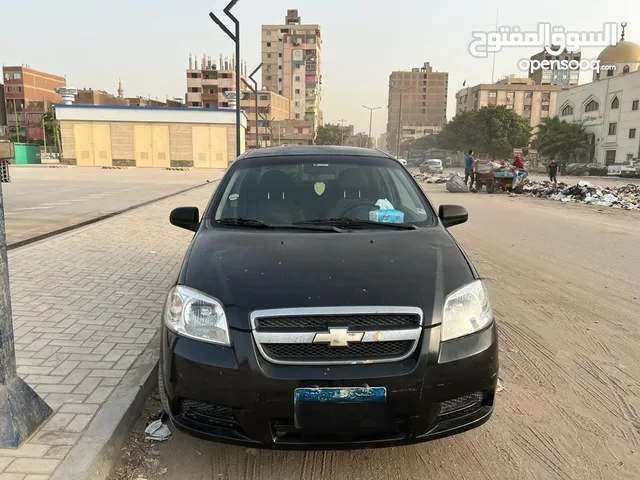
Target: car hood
256	270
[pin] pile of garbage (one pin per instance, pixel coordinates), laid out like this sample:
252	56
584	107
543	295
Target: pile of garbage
626	197
429	178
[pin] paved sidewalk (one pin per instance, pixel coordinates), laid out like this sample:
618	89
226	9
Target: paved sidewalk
86	307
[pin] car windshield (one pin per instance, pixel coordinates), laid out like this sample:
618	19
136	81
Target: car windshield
435	163
353	191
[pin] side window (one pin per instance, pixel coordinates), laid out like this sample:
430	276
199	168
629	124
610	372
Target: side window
407	199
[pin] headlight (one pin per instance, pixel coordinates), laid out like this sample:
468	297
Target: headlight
193	314
467	310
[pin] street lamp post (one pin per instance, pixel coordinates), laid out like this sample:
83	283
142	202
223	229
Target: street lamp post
21	409
401	90
370	121
254	89
235	37
342	131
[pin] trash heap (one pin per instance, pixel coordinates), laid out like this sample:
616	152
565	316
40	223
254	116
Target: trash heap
429	178
626	197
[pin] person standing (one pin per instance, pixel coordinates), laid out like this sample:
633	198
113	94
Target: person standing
553	172
468	169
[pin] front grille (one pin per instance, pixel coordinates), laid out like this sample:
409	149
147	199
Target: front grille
323	322
311	352
207	412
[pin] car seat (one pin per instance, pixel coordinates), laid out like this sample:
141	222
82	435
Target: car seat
275	202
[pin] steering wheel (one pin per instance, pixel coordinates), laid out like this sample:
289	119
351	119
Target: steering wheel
349	209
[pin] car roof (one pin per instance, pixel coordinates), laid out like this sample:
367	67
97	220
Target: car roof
339	152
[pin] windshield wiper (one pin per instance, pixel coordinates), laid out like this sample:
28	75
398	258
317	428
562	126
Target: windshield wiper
258	224
352	222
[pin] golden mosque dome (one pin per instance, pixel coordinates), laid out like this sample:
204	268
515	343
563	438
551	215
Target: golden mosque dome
622	52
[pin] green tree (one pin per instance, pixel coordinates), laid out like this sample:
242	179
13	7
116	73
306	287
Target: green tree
52	128
567	141
496	130
331	134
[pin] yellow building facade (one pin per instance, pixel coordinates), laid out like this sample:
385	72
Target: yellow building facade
148	137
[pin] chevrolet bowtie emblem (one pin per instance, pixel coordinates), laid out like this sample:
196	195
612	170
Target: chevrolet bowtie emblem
338	337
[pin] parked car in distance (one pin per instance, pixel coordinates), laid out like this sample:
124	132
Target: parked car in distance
591	169
630	170
432	166
322	304
572	168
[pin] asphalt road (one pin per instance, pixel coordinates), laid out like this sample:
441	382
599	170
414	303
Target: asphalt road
565	289
39	200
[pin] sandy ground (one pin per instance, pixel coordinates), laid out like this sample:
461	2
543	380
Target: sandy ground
565	289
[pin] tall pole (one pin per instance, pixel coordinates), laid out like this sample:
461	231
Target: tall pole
401	90
399	126
342	131
370	122
44	134
236	38
15	114
21	409
255	86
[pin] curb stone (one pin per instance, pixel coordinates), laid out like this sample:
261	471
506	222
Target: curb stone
98	450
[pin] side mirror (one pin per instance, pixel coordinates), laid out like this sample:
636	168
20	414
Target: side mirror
451	215
186	217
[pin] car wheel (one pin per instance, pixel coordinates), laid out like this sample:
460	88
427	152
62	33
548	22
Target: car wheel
163	396
586	174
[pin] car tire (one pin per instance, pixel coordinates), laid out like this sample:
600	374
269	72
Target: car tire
164	401
586	174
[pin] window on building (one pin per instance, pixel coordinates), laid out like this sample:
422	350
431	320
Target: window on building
297	79
297	104
567	110
510	107
263	97
17	76
195	104
626	69
632	133
609	73
268	44
634	105
527	109
194	75
297	90
493	94
615	103
545	108
592	106
546	96
268	55
511	96
528	95
194	89
629	156
269	78
280	55
613	127
297	116
279	67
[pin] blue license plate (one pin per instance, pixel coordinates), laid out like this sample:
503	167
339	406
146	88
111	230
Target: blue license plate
340	395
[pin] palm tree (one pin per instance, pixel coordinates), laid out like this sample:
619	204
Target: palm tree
567	141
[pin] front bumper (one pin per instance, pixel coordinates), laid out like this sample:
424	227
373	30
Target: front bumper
234	396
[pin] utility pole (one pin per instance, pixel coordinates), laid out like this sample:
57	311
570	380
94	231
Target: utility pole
44	134
15	115
235	37
401	90
21	409
342	120
370	121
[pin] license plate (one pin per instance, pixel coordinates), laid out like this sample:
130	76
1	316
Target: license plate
340	395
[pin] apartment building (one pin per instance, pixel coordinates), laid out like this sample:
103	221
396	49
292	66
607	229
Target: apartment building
29	93
291	57
292	132
3	111
522	95
208	82
556	75
417	98
271	107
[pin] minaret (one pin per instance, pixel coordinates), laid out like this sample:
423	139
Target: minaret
120	89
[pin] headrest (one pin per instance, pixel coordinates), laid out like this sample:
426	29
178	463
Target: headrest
275	183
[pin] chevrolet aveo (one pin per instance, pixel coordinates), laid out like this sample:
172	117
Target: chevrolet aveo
323	304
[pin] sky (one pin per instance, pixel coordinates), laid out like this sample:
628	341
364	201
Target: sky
147	42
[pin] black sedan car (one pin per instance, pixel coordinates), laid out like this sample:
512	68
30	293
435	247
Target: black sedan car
323	304
590	169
